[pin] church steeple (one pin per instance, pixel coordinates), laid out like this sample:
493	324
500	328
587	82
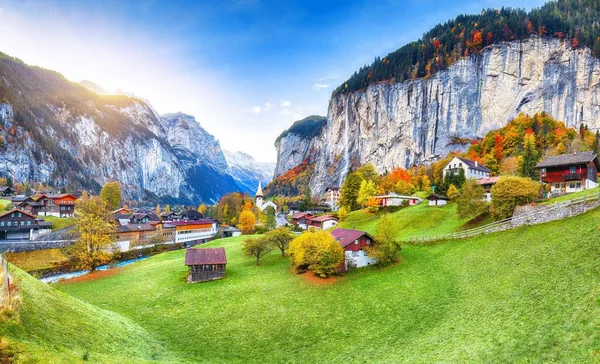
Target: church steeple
259	192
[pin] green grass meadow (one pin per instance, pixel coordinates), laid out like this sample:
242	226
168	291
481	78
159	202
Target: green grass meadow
525	295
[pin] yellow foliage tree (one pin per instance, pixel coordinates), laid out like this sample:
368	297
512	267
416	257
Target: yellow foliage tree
453	192
202	209
96	228
317	251
246	222
111	194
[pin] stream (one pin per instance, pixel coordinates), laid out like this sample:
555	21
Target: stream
54	278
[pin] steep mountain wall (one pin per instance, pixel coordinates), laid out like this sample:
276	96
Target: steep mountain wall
59	133
398	125
247	172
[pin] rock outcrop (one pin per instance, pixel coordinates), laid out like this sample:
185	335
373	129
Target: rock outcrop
402	124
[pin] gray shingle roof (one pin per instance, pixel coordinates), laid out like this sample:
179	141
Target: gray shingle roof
471	164
567	159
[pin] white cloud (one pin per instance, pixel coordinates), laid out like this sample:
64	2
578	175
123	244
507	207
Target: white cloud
286	103
320	86
256	109
267	106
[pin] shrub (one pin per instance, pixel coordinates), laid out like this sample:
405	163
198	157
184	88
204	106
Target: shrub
470	201
317	251
511	192
452	192
386	247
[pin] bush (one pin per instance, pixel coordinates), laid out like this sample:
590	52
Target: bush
511	192
470	202
317	251
452	192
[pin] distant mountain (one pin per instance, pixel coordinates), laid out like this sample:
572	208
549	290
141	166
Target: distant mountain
94	87
247	172
60	133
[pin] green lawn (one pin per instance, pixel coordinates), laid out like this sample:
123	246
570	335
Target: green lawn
37	259
60	222
529	294
57	328
570	196
412	221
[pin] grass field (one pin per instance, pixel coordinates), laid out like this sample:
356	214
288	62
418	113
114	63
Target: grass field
37	259
570	196
529	294
413	221
57	328
60	222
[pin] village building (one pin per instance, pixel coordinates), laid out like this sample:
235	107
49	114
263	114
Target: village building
130	235
437	200
300	219
195	232
355	244
322	222
143	218
62	205
260	203
20	225
332	197
205	264
170	216
230	231
472	169
487	184
122	211
393	199
568	173
6	191
190	215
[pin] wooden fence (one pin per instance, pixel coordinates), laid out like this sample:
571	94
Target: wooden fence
531	218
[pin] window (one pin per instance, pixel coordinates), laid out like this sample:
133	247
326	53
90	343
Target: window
356	242
460	165
572	170
1	223
578	185
571	185
354	254
365	253
543	172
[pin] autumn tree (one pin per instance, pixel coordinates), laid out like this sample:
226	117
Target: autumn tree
510	192
349	192
168	209
342	213
268	218
317	251
470	202
386	246
367	190
280	238
257	247
246	222
157	210
202	209
96	228
452	192
111	194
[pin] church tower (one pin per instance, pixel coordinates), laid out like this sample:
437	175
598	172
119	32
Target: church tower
259	196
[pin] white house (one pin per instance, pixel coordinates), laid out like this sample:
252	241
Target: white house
437	200
473	169
355	244
322	222
394	199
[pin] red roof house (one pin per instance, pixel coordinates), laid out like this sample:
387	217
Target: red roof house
354	243
569	172
322	222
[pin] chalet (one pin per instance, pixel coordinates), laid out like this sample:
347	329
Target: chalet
437	200
322	222
230	231
142	218
66	204
567	173
170	216
472	169
20	225
191	215
354	243
205	264
130	235
487	184
122	211
55	205
6	191
393	199
332	197
30	206
300	219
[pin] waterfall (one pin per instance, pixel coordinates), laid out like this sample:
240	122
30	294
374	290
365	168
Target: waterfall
345	166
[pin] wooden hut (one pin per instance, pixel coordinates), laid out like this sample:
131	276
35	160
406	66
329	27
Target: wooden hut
205	264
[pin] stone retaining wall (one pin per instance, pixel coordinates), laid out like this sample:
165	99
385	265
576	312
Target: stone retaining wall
17	247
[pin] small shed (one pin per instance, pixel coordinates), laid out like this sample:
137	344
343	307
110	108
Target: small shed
205	264
437	200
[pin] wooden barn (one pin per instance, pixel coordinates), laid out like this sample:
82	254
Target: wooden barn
205	264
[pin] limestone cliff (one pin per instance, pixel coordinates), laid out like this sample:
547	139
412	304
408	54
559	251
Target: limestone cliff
401	124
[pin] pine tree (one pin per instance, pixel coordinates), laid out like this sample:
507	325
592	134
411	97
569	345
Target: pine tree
530	157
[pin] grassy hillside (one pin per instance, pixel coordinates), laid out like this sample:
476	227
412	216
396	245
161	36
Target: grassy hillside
412	221
530	294
571	196
57	328
60	222
38	259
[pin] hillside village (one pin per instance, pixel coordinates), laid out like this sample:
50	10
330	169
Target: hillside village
432	216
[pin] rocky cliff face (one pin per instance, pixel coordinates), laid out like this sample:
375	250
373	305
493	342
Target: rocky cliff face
247	172
59	133
398	125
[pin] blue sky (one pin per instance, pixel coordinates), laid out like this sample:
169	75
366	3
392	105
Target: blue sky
246	69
